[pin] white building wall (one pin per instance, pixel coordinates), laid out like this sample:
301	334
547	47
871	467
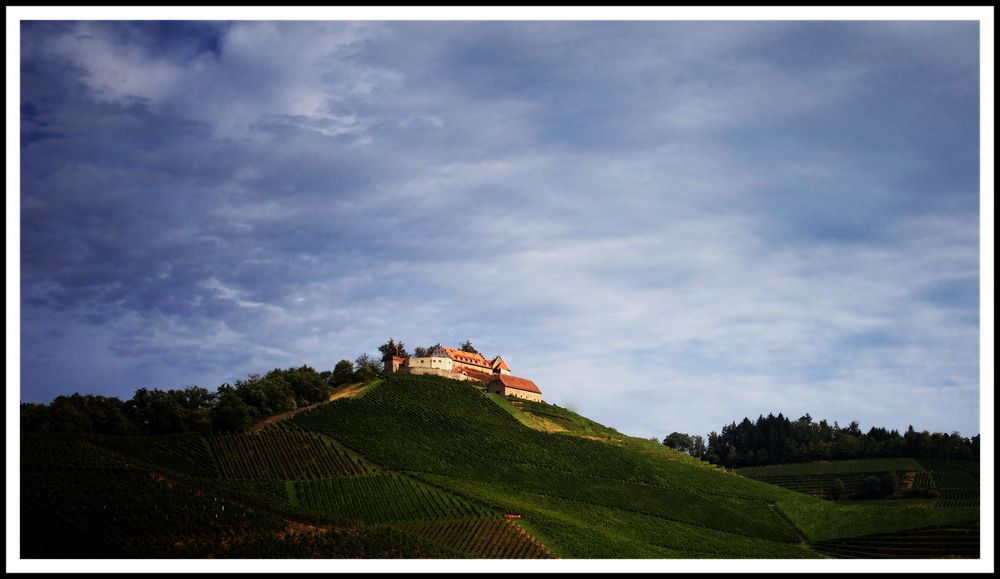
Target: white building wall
432	363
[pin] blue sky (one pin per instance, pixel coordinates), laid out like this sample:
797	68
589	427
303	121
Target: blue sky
667	225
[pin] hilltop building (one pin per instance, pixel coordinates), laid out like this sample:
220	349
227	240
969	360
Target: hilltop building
462	365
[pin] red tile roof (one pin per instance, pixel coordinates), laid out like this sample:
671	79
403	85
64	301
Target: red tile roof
481	376
467	357
516	383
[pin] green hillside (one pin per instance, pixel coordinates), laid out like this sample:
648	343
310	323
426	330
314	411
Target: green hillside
423	466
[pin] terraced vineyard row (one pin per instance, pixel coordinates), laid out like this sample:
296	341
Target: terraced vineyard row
928	543
482	538
381	498
278	454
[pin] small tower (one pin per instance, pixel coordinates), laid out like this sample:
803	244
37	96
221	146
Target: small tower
392	363
499	366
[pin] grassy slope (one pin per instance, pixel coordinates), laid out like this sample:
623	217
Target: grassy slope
474	456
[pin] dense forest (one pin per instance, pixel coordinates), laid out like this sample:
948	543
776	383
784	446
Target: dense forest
778	440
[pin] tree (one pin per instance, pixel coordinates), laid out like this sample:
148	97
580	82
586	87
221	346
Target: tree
306	383
343	373
394	349
468	347
266	396
231	412
678	441
366	368
156	411
419	352
697	446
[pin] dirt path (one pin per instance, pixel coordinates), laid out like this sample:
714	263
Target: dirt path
344	392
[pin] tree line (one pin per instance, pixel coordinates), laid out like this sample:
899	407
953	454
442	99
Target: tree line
778	440
232	407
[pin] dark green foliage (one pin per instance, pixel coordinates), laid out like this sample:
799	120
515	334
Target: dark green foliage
266	395
691	444
306	384
166	411
777	440
78	413
343	373
366	368
232	413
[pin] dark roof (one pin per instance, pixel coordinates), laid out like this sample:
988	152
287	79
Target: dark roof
516	383
502	365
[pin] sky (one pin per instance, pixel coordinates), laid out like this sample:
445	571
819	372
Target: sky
667	225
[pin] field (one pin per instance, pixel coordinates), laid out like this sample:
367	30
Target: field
419	466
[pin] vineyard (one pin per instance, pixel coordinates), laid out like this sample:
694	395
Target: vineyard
482	538
955	482
825	520
279	454
928	543
380	498
422	466
185	453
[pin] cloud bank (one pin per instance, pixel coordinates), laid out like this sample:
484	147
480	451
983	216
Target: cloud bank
667	225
